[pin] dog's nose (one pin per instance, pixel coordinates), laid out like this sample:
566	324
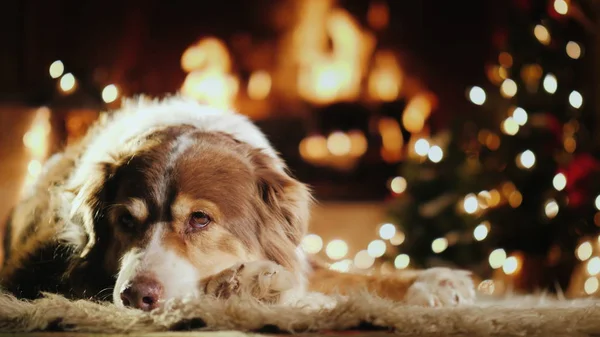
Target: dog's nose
143	293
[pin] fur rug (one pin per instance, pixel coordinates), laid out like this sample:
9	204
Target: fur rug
522	316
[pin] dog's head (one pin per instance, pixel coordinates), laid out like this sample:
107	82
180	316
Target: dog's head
178	204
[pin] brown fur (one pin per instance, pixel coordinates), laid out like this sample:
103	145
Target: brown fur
258	212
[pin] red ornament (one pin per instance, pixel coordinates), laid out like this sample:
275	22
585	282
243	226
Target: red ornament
577	174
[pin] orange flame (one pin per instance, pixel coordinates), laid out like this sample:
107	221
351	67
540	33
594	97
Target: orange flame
209	80
332	75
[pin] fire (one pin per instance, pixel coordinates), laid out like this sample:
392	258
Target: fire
417	111
36	142
392	140
385	78
325	75
209	80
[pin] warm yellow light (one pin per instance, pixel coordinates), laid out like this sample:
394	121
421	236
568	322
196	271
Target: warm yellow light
378	15
339	144
384	81
561	7
314	147
67	83
591	285
575	99
551	208
34	168
387	231
515	199
376	248
480	232
559	181
110	93
439	245
416	112
57	68
593	265
510	266
422	147
391	139
526	159
542	34
519	115
550	83
435	154
398	185
477	95
497	258
211	86
401	261
358	143
398	238
486	287
259	85
494	198
341	266
363	260
508	88
584	251
573	50
336	249
312	243
470	203
505	60
510	126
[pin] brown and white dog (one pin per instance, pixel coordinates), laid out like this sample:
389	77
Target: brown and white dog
169	199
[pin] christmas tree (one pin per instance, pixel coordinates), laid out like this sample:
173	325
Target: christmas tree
510	191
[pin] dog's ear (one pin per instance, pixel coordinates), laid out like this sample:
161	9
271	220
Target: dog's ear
287	203
87	206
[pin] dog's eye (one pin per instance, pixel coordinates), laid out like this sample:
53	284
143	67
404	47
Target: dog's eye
126	221
199	220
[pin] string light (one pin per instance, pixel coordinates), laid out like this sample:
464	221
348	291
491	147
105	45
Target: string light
584	251
550	83
508	88
398	185
519	115
497	258
561	7
387	231
559	181
336	249
575	99
551	208
477	95
573	50
510	126
435	154
593	266
591	285
338	143
401	261
505	59
515	198
376	248
542	34
486	287
597	202
110	93
511	265
398	238
67	83
470	203
363	260
312	243
526	159
342	266
422	147
481	231
439	245
57	68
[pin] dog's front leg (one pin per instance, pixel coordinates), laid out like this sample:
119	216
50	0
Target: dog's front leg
265	281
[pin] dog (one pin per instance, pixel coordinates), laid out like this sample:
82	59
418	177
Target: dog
168	199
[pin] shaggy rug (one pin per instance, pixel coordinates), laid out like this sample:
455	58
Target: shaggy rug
522	316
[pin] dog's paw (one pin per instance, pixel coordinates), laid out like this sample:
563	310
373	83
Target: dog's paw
261	280
438	287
